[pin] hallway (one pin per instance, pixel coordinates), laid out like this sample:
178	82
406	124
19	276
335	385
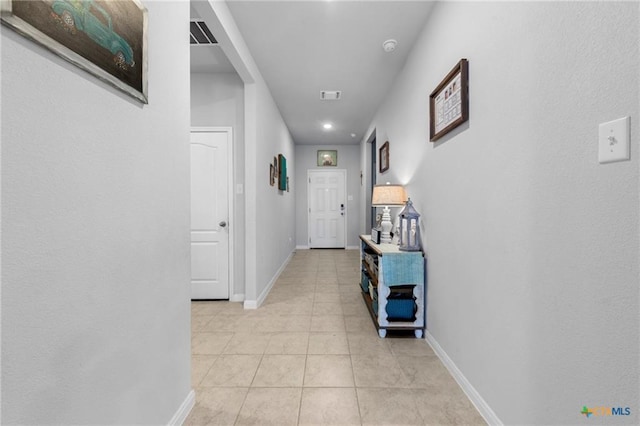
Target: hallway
310	355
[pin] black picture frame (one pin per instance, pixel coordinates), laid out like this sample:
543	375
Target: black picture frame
375	235
449	102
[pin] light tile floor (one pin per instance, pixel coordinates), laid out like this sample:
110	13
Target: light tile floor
310	355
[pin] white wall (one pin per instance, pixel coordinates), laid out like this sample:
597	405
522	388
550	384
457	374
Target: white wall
217	99
95	237
269	213
532	245
275	210
348	159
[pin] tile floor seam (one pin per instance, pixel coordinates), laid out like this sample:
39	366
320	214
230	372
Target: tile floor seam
208	369
253	379
300	402
244	401
355	386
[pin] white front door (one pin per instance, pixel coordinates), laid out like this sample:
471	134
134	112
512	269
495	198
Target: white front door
327	208
210	213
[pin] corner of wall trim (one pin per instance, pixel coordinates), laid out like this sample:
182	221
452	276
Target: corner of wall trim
250	304
185	408
255	304
476	399
239	297
267	289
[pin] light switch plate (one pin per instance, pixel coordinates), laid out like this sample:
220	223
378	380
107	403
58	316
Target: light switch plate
613	140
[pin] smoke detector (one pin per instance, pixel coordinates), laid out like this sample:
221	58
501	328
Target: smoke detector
330	95
389	45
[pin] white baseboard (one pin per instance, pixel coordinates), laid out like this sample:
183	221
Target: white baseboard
255	304
185	408
347	248
481	405
237	297
250	304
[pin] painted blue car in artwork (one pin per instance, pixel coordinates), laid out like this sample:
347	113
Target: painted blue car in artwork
93	20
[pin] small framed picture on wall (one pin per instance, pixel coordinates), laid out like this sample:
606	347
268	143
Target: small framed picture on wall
327	158
272	174
384	157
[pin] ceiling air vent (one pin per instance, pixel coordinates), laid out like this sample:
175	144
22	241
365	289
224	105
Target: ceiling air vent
200	33
330	95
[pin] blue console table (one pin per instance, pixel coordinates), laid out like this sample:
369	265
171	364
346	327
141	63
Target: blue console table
392	283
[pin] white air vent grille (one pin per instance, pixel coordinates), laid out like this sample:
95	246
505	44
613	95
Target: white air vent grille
330	95
200	33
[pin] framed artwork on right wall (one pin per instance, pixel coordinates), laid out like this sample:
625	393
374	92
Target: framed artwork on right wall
449	102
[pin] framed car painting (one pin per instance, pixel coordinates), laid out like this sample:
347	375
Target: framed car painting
105	38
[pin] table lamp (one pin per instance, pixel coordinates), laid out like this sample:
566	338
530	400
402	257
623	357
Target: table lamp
385	196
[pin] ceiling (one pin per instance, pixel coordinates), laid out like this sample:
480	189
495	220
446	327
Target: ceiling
208	58
304	47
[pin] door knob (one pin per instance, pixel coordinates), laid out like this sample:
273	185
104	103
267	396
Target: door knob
222	224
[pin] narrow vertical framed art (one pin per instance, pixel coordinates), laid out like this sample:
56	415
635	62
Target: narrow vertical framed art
282	172
383	153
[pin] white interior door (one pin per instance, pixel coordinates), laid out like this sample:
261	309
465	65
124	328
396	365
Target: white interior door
210	214
327	208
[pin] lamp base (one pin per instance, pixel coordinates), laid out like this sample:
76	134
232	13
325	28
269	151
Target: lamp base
386	225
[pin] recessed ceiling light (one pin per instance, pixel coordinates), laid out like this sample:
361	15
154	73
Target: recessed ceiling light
353	135
327	126
389	45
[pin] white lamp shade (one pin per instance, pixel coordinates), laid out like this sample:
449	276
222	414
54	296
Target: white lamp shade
388	195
